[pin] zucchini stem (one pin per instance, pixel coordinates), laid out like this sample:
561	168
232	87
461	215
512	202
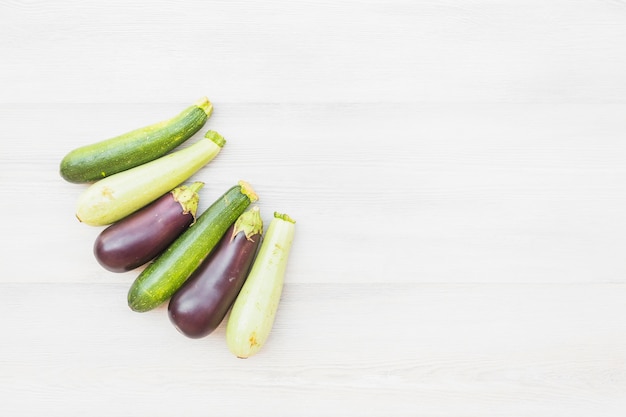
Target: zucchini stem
205	105
284	217
216	138
247	189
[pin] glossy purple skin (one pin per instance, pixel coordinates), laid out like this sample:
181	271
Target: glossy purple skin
140	237
201	304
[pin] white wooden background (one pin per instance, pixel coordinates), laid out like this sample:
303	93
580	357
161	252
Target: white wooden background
456	169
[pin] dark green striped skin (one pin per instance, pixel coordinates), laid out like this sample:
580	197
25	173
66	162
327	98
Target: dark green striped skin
98	160
168	272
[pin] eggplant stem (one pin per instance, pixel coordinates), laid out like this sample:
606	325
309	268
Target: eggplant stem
250	223
187	197
196	186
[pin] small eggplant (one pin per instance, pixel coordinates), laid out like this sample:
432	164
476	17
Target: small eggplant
201	304
141	236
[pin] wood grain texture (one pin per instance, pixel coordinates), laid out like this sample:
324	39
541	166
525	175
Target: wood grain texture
413	349
456	170
447	193
323	51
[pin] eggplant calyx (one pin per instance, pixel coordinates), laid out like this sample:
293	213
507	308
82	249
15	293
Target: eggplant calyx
187	197
250	223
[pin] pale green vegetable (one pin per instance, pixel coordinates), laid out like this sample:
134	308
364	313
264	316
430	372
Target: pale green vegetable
254	310
115	197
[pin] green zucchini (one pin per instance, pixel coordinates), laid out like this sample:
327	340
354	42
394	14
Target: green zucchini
102	159
169	271
115	197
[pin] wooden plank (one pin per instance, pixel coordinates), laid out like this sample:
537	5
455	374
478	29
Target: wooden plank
455	168
336	349
447	193
331	51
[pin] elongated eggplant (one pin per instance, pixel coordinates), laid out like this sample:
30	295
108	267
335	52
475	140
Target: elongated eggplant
201	304
141	236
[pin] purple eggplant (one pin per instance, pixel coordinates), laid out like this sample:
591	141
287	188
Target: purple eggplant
201	304
141	236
